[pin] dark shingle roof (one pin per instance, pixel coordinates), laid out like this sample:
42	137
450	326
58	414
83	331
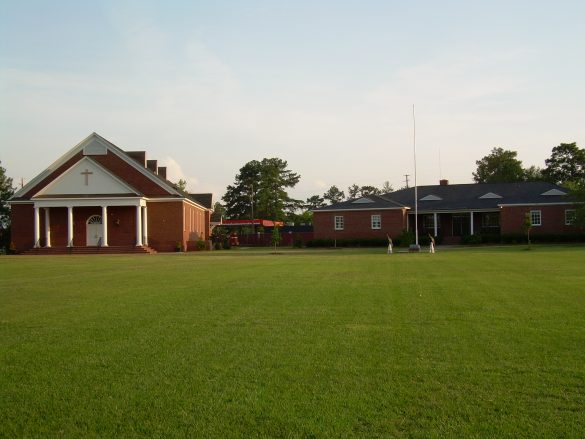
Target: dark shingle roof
483	196
369	202
204	199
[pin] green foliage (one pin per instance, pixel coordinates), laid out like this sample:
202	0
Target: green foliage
297	241
534	173
6	191
314	202
405	239
471	239
566	164
500	166
276	238
200	245
334	195
181	185
260	187
355	191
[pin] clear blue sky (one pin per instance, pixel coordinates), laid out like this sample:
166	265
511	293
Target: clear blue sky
328	86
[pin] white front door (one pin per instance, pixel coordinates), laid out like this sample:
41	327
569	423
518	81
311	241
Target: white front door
94	231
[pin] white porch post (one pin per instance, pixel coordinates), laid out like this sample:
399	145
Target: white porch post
471	223
69	226
435	223
37	227
145	226
138	226
47	227
105	226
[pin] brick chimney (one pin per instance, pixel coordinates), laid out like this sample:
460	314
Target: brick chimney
162	171
152	165
444	182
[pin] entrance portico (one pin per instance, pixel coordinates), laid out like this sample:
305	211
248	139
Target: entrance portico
94	213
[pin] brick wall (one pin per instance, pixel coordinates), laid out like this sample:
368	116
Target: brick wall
357	224
552	218
22	224
165	225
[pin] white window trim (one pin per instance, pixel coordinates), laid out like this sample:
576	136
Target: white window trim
574	213
379	221
335	222
539	216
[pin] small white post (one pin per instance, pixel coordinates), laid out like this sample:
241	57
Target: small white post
47	227
471	223
105	226
138	226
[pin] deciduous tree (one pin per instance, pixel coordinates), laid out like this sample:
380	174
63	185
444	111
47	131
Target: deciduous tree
6	191
566	164
500	166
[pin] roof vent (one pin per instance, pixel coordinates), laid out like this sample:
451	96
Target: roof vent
444	182
490	195
362	201
431	198
553	192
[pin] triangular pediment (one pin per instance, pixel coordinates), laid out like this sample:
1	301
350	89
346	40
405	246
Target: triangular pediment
86	177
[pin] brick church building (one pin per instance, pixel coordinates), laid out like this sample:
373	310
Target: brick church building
97	197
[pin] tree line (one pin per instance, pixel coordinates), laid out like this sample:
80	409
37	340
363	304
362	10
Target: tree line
260	187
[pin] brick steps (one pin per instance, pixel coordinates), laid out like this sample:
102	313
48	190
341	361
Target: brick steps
111	250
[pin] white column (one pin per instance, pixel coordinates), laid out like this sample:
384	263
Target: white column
435	223
471	223
138	226
145	226
47	227
69	226
105	226
37	227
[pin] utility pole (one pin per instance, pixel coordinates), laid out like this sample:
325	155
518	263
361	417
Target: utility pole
252	205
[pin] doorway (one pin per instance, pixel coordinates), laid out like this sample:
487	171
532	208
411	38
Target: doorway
94	231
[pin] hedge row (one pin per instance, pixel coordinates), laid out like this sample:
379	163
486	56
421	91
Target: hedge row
406	239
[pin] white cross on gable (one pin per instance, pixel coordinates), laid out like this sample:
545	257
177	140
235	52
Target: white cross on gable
87	173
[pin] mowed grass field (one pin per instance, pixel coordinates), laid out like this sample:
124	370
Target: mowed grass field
345	343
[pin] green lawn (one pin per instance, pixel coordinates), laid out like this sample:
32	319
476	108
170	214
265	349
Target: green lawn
333	343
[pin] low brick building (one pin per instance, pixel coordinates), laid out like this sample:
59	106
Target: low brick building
99	196
451	212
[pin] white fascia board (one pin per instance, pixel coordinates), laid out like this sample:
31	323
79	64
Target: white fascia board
358	210
541	204
85	202
424	212
167	200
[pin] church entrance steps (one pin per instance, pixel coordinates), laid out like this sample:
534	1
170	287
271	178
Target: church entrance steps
111	250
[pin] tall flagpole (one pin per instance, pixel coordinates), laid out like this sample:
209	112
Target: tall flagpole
415	185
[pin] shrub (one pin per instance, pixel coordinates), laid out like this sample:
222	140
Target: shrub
297	241
200	245
405	239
